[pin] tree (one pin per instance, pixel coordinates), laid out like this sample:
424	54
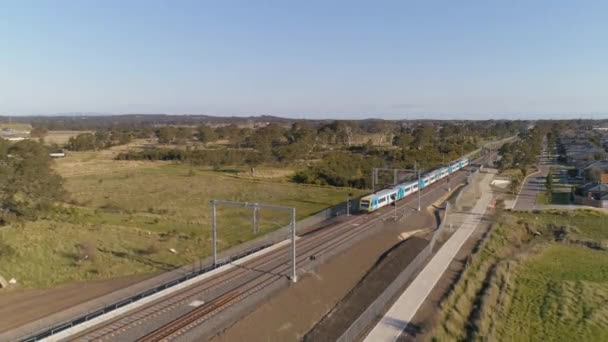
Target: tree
102	139
341	169
121	137
166	134
38	132
549	183
82	142
424	135
514	185
183	134
403	140
27	181
593	174
206	134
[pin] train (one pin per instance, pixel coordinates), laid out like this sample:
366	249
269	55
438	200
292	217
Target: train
385	197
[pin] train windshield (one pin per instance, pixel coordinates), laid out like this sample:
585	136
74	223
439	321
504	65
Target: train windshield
364	204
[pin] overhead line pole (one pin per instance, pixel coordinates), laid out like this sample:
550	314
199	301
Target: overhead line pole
256	206
419	191
214	234
294	276
375	175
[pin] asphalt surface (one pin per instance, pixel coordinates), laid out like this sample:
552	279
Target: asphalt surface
534	183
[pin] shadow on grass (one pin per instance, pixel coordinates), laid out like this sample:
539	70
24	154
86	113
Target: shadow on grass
141	259
227	170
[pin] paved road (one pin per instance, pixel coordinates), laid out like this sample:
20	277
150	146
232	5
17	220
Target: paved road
403	310
534	183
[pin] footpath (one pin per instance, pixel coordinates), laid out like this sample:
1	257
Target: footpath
390	327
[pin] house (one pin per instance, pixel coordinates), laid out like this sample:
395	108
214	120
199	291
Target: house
602	166
592	194
580	155
596	191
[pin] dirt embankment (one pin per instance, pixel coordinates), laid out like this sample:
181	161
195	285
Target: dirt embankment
382	274
18	307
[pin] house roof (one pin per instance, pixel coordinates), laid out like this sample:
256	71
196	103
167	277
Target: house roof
595	187
598	164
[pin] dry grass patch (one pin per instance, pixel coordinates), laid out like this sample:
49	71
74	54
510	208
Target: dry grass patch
124	217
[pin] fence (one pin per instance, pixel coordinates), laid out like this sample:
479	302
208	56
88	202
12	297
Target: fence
580	200
376	310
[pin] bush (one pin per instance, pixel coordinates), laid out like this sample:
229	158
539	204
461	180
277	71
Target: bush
340	169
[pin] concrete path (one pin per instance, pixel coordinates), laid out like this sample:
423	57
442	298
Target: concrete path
403	310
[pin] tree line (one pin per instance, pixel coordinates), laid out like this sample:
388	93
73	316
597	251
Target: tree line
328	149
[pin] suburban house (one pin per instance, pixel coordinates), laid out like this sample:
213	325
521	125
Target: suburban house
592	194
601	166
579	151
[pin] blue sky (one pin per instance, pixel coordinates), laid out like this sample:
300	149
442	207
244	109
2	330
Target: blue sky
338	59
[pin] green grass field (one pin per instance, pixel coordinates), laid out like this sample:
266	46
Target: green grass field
128	217
521	284
587	224
560	295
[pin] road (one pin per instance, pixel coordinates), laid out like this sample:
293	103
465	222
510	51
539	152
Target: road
397	318
534	182
183	311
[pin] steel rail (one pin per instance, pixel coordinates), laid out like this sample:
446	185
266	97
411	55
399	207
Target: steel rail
326	238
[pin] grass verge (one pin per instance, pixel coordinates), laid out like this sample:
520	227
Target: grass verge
534	277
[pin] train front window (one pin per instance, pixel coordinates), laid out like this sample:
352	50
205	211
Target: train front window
364	204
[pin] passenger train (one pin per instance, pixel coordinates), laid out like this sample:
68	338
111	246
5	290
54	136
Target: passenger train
385	197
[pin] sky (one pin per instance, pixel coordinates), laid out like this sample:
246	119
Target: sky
306	59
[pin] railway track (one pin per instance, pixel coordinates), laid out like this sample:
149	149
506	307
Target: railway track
233	285
274	263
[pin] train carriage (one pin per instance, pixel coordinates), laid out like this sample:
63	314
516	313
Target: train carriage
385	197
